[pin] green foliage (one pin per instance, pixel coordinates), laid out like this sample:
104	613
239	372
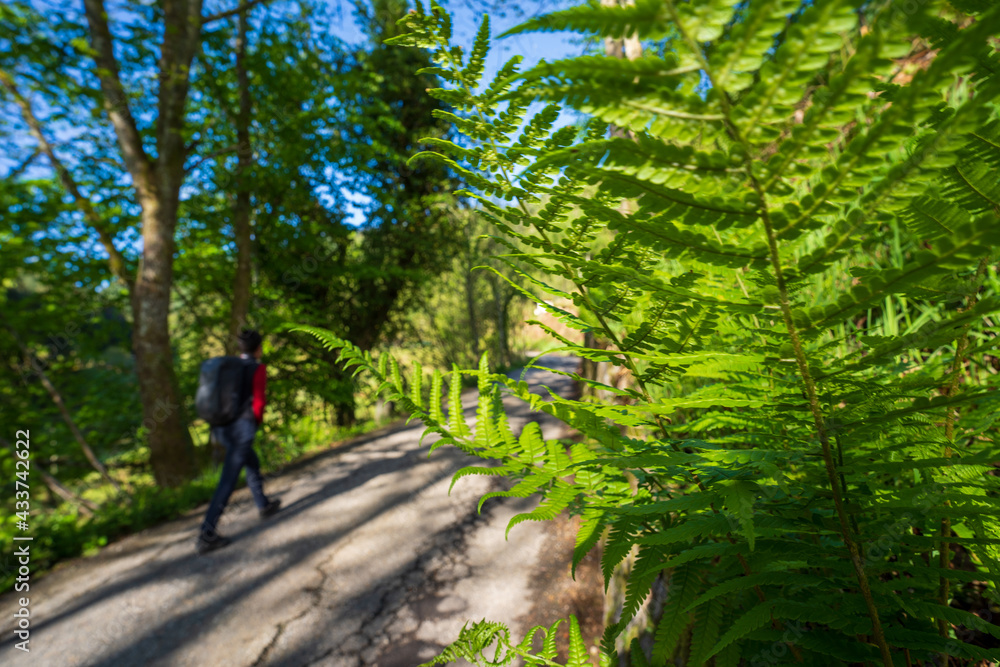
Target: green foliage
472	307
346	232
487	643
792	262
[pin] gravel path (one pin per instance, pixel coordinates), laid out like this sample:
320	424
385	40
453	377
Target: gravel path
369	563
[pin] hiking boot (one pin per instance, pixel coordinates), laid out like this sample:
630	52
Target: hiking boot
210	542
270	508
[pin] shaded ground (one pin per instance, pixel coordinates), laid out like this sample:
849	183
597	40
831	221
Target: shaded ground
370	562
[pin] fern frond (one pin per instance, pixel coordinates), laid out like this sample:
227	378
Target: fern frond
473	71
591	528
675	619
706	627
577	649
644	19
777	227
753	619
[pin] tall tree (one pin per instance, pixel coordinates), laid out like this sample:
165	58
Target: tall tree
153	151
157	182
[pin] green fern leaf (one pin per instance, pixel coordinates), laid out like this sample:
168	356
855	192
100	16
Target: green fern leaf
477	59
675	620
753	619
636	656
787	580
549	649
707	623
436	414
456	414
556	500
644	18
577	648
591	528
740	500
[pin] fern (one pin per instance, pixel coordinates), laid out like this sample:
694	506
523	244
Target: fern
791	258
675	620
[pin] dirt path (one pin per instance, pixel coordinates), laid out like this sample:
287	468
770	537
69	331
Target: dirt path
369	563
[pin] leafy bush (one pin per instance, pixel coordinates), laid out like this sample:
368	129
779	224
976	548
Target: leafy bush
785	241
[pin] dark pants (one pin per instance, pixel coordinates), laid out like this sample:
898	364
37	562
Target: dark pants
237	438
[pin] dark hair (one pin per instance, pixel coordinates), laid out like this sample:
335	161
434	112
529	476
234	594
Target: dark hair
250	340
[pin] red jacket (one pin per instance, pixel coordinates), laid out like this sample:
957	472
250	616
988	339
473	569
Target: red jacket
259	397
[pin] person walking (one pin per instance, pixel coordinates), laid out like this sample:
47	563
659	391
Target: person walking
237	437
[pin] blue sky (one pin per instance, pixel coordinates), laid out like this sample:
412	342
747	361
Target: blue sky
533	47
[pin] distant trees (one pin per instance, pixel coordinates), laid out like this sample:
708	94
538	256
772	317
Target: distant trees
355	273
473	308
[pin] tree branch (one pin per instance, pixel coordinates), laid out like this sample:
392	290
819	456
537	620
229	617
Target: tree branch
64	412
231	12
213	154
115	258
181	42
19	169
115	99
55	486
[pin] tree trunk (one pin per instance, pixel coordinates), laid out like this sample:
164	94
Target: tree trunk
241	210
157	183
171	451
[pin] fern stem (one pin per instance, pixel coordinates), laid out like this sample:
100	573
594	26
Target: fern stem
944	550
800	358
843	486
818	420
786	311
817	413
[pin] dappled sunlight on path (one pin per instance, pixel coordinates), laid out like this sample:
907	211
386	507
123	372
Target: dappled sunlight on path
369	562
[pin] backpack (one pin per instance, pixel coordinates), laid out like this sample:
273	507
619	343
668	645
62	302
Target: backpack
223	389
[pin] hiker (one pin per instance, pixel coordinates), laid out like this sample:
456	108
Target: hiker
237	437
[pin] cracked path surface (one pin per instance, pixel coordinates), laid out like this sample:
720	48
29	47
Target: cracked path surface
369	563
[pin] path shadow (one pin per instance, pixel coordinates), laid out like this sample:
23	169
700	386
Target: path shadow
206	568
163	639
